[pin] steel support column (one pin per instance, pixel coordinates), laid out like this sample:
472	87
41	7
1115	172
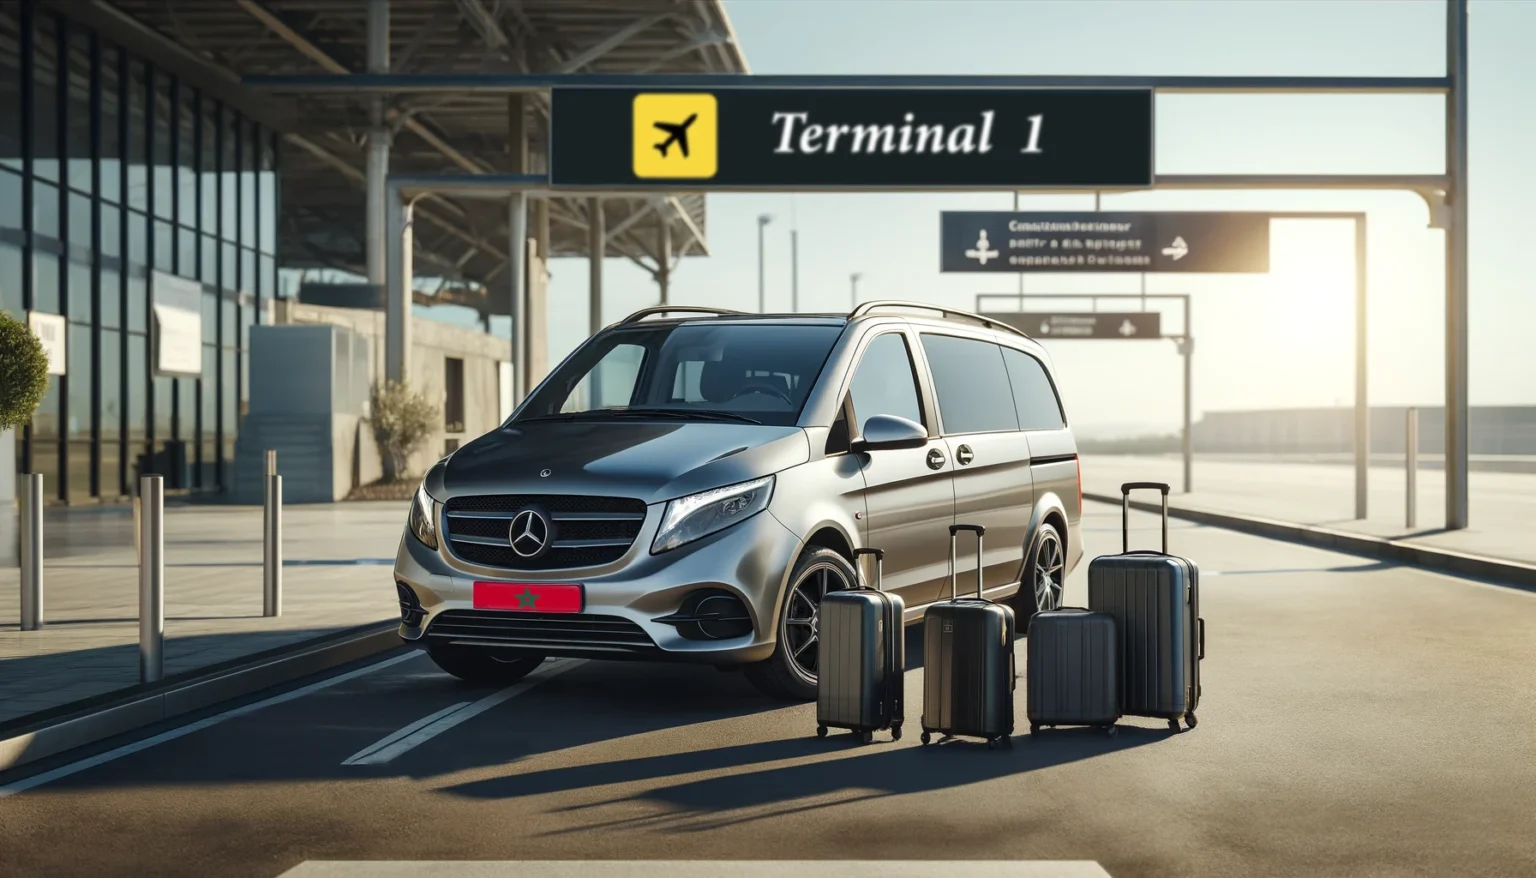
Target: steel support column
595	253
1457	433
399	276
664	254
377	174
517	245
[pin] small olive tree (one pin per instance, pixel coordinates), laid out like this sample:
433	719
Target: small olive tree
402	421
23	372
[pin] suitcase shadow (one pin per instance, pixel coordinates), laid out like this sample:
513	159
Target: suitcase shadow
875	771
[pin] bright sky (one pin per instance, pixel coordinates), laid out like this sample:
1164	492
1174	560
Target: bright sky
1285	339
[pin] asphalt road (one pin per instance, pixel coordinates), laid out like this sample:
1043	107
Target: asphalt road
1359	719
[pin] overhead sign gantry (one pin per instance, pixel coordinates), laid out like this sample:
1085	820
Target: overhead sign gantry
1444	192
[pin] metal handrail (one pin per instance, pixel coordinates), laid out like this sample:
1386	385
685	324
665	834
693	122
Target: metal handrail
677	309
947	313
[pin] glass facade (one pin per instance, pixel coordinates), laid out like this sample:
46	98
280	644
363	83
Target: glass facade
109	169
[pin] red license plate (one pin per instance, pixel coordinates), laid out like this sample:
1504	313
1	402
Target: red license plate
528	597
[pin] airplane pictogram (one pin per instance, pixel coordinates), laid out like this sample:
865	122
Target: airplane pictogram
676	133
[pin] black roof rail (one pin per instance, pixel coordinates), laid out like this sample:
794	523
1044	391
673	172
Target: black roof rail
946	313
677	309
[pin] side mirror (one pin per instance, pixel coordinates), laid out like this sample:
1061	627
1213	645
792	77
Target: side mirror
882	432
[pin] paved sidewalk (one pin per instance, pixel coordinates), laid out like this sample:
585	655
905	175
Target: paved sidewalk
1503	505
336	576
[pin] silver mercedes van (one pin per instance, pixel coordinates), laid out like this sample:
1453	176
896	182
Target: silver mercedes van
689	483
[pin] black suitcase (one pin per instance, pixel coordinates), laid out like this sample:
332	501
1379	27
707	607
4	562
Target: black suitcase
968	665
1155	599
863	659
1072	670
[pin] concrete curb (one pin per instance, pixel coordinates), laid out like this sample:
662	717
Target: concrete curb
1441	560
138	709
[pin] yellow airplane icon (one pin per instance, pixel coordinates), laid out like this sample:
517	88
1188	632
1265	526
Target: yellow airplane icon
689	147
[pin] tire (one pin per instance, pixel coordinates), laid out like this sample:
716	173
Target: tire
475	665
783	675
1028	600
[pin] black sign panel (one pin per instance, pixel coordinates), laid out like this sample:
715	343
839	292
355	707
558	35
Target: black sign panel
1219	243
809	138
1129	325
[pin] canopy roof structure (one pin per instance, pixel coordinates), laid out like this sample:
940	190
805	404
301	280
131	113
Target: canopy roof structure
324	157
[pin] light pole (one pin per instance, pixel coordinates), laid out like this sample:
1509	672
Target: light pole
762	290
853	283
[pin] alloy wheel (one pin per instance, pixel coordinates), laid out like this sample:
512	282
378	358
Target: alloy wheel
803	614
1049	571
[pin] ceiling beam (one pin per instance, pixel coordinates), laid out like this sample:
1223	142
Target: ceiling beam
607	44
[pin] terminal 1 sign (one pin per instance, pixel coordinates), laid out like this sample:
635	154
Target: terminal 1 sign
1069	243
811	138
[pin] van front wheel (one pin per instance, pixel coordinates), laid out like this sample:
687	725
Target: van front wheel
790	673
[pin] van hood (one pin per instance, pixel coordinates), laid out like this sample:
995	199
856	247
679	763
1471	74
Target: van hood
649	461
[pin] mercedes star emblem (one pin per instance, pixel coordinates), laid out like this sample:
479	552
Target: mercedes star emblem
544	473
529	533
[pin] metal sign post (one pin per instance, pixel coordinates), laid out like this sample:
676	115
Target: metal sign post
272	541
1411	465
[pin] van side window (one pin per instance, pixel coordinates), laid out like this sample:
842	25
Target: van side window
972	385
1039	406
885	382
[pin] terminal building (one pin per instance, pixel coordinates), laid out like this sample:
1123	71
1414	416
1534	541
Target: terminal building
155	213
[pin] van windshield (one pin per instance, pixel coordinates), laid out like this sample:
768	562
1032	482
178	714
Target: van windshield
749	373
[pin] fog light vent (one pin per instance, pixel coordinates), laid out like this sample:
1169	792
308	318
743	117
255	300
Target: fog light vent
411	612
711	614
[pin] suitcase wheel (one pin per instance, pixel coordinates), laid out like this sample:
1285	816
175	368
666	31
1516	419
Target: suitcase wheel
1173	724
896	732
865	736
925	738
1189	719
1034	728
1111	731
821	731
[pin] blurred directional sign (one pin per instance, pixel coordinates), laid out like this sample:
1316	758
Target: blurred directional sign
1127	325
1069	243
749	138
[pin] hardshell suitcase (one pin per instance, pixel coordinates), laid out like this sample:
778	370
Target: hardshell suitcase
1072	670
1155	599
863	660
968	667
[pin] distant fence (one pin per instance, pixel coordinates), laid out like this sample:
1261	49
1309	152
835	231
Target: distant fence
1493	430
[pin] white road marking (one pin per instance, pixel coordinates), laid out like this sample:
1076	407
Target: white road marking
36	780
699	869
360	757
424	730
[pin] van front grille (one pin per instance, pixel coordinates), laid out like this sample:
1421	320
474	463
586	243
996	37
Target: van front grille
583	531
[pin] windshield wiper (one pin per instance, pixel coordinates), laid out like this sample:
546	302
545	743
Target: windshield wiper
685	414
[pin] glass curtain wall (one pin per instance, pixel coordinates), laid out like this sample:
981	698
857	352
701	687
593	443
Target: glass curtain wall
111	169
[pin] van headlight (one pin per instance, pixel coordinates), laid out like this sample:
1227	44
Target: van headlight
699	515
423	520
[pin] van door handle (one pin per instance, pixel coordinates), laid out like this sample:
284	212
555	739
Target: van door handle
935	458
964	455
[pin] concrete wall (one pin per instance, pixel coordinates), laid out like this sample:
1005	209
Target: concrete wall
432	343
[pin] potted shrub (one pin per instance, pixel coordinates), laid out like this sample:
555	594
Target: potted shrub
23	382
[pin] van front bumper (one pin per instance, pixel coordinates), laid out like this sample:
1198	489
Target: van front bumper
630	609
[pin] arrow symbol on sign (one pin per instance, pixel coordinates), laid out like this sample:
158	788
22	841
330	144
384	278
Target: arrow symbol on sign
1128	328
1178	250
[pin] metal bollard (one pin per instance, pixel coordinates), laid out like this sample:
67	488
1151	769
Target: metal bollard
152	580
32	555
1411	464
272	548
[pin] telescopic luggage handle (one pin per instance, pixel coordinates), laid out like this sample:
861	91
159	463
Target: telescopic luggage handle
879	554
954	574
1125	511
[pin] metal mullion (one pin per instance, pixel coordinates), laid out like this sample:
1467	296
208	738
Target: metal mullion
96	208
28	81
61	191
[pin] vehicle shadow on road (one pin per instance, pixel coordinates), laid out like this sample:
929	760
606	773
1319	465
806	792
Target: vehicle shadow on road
870	772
